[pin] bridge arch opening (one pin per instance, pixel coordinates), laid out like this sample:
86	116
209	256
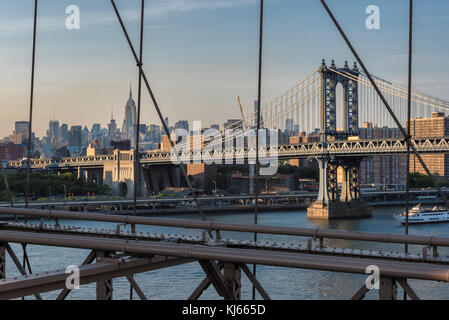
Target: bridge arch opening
339	107
123	189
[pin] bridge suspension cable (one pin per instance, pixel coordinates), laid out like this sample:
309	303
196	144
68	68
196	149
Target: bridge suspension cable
285	104
397	90
396	95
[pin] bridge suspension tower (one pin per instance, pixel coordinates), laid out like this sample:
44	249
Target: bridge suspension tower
328	205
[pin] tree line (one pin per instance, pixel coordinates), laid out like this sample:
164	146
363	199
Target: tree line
42	185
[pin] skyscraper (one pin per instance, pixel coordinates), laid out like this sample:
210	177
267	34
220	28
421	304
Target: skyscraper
167	124
288	127
53	129
130	118
20	134
112	129
382	169
182	124
96	131
85	137
22	127
434	127
75	140
64	132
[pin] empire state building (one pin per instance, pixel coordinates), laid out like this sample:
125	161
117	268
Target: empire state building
129	121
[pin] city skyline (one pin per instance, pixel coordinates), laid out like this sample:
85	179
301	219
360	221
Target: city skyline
72	76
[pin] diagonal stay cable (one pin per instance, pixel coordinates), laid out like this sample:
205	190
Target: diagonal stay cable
407	138
147	84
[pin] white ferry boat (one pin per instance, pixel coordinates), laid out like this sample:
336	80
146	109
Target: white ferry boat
421	215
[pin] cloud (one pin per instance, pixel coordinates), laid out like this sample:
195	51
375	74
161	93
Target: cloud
163	7
154	10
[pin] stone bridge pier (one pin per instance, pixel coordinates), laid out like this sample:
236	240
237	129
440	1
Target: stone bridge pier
349	205
159	177
118	174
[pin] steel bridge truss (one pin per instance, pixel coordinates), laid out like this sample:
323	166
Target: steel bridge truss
340	148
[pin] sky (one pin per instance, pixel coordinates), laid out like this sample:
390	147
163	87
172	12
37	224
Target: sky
199	55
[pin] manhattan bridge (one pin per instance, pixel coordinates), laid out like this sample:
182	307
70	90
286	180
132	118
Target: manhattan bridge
334	99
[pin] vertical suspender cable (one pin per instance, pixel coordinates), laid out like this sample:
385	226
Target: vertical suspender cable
139	102
27	188
5	181
409	110
259	95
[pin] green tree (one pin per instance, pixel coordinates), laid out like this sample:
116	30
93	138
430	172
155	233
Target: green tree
42	184
419	180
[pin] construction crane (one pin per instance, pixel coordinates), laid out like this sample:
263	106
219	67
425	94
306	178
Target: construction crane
242	113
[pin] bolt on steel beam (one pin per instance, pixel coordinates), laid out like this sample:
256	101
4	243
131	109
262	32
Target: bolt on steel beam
223	226
395	269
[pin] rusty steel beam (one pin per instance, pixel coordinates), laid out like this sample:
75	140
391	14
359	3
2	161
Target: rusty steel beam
223	226
388	289
217	279
49	281
136	287
104	286
394	269
203	286
407	289
2	261
19	266
255	282
360	294
89	259
232	276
